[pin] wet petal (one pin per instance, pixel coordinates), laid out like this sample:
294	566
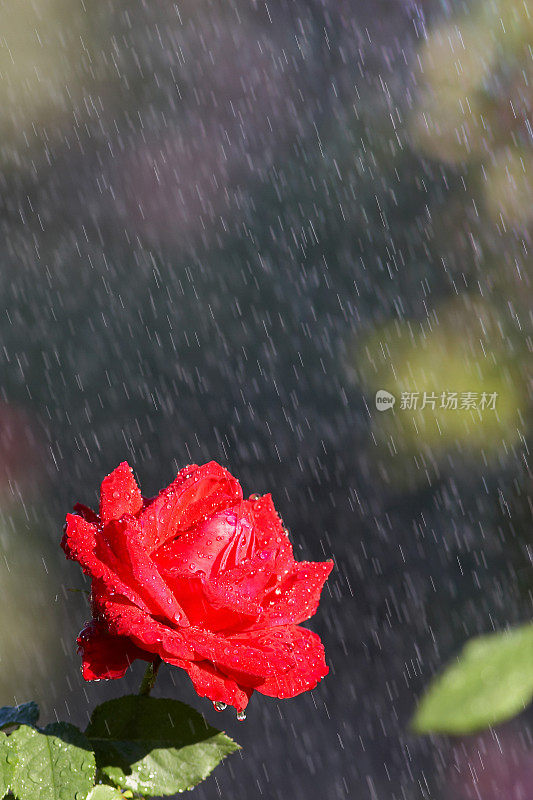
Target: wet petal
305	656
208	607
123	536
119	494
295	599
197	492
209	682
248	657
83	542
216	544
271	535
105	656
121	618
87	513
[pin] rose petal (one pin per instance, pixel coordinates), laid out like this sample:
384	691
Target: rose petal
79	539
119	494
214	545
218	551
296	598
196	493
207	607
209	682
271	535
306	654
222	596
248	657
124	538
87	513
120	618
84	543
105	656
240	589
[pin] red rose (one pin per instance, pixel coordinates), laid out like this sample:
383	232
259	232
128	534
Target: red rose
201	578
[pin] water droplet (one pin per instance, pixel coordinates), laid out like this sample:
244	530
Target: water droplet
241	716
255	497
220	706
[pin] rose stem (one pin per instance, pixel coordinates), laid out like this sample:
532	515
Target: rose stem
150	676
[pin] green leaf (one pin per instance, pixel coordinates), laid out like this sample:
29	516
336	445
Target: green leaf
153	746
491	681
103	792
8	759
56	763
25	714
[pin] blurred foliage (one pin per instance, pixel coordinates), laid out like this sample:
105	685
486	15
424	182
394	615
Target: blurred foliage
490	682
462	348
29	615
476	100
28	647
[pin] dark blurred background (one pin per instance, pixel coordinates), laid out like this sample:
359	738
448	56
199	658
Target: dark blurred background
224	227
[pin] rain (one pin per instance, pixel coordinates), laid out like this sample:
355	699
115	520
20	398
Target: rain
225	228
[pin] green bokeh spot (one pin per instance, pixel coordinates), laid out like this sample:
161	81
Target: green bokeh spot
491	681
